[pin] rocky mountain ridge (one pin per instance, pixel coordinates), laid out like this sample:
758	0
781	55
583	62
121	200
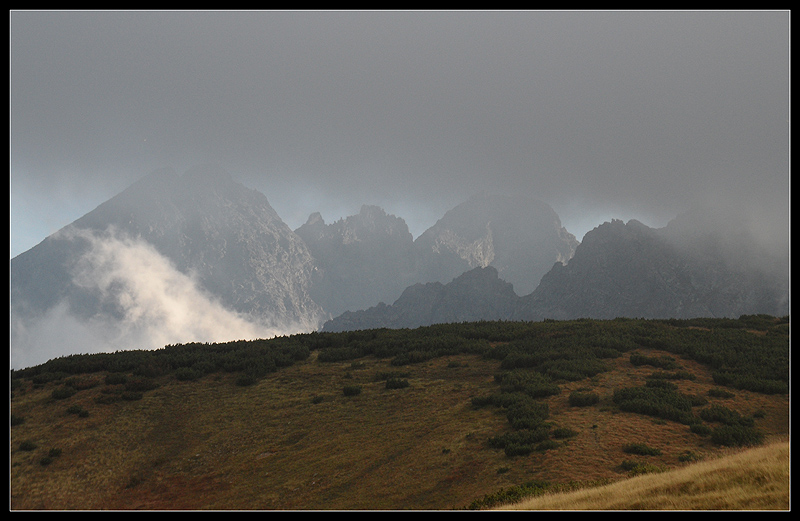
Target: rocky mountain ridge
170	246
619	270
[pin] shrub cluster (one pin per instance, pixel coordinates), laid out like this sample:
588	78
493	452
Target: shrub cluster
640	449
655	401
662	362
736	436
351	390
530	383
726	416
583	399
396	383
63	392
521	442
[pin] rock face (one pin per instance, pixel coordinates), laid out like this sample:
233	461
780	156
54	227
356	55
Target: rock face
478	294
201	228
371	258
631	270
521	237
619	270
199	254
363	259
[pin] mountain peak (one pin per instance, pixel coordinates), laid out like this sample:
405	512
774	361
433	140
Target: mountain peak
520	236
207	173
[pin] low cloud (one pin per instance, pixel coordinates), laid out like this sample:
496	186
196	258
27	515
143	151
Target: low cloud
151	304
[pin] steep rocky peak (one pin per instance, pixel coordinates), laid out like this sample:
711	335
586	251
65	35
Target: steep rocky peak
208	174
617	229
315	219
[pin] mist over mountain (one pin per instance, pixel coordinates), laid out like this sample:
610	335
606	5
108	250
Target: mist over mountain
172	258
362	259
619	270
631	270
371	257
478	294
200	257
521	237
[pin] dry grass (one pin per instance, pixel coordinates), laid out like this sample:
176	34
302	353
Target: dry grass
754	479
213	445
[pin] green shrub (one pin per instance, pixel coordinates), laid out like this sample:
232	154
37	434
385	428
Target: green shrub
547	445
531	383
396	383
641	449
246	379
563	432
27	446
661	383
105	399
736	436
674	375
47	377
720	414
507	496
78	410
412	357
351	390
635	468
115	379
517	450
140	385
700	429
524	441
527	413
716	392
654	401
385	375
689	456
581	399
662	362
62	393
187	374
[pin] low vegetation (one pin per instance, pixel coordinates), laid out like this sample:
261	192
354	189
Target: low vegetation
755	479
471	415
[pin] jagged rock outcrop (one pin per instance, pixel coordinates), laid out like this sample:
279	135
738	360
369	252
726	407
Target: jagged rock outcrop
363	259
519	236
631	270
619	270
478	294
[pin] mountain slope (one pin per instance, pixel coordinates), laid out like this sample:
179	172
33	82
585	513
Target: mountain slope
363	259
620	270
168	245
631	270
750	480
175	428
519	236
478	294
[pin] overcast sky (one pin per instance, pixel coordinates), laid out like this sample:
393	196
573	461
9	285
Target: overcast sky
601	114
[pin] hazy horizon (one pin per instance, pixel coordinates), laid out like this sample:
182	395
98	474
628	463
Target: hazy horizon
600	114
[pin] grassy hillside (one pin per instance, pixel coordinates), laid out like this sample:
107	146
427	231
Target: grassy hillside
446	417
753	479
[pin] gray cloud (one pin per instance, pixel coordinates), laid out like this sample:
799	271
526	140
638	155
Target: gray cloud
602	114
155	305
